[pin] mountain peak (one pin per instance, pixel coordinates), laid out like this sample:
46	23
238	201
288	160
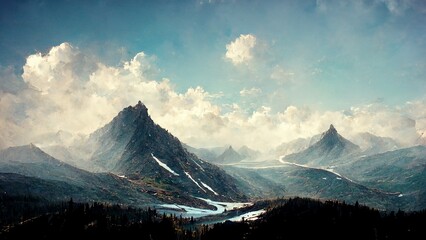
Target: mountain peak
331	129
330	133
229	156
134	113
331	136
230	149
139	108
140	104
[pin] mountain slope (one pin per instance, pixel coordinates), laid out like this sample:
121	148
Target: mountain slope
291	180
248	153
109	142
402	171
326	151
372	144
44	174
14	184
143	151
296	145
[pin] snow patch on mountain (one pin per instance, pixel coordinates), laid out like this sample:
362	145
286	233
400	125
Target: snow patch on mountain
202	169
163	165
189	176
209	188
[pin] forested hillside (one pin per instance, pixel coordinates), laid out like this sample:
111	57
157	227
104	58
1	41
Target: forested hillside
298	218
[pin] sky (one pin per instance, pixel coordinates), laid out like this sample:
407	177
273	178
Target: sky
256	73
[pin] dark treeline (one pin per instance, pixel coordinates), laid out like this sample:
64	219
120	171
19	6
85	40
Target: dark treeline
30	218
298	218
301	218
15	209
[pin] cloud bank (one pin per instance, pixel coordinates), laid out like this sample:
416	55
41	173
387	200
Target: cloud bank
66	94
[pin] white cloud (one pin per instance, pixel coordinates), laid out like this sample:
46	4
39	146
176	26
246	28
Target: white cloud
241	50
250	92
141	65
71	92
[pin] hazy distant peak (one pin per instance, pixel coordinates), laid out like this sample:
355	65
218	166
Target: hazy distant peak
331	136
230	150
330	132
229	156
331	146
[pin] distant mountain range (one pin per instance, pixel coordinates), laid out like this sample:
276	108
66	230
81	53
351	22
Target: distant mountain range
225	155
292	180
335	168
134	161
369	144
401	171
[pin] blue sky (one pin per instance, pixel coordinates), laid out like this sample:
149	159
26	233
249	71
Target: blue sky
322	55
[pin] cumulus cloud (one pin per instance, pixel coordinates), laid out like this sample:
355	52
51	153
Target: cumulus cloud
250	92
70	91
241	50
69	94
